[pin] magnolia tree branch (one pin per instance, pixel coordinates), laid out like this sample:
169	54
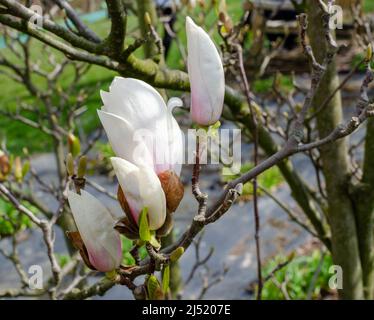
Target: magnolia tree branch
83	30
44	225
201	197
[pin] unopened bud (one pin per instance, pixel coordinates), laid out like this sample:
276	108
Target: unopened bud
82	167
291	255
222	16
54	119
147	19
4	165
25	168
369	53
74	145
70	164
176	254
18	169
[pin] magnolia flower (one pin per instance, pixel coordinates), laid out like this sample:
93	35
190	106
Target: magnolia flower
95	225
140	127
206	75
142	189
149	146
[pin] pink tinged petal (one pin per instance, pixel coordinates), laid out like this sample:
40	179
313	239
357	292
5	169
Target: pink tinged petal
142	188
206	75
95	225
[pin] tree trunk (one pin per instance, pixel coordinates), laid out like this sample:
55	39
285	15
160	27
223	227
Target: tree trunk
341	216
364	195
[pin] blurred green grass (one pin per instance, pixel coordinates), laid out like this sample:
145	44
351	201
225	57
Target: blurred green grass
368	6
305	273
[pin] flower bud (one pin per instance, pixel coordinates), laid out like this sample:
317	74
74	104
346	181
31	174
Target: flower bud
147	19
74	145
96	228
142	188
205	71
369	53
176	254
70	165
25	168
4	165
82	167
18	169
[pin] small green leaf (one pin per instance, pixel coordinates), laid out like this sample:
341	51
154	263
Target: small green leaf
152	286
165	278
144	232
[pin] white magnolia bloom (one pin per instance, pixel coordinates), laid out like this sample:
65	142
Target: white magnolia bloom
206	74
140	127
142	188
96	227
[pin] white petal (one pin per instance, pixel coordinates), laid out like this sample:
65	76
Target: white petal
176	143
142	188
206	75
136	101
121	137
95	225
142	107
